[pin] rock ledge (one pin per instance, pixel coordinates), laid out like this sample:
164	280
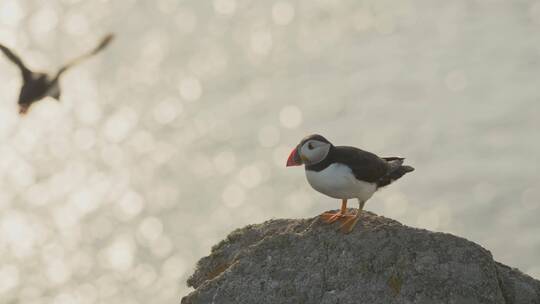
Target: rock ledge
381	261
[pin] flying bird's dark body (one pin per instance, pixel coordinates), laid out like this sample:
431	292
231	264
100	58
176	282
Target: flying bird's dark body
37	85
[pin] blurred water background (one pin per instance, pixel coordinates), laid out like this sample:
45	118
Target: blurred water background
179	131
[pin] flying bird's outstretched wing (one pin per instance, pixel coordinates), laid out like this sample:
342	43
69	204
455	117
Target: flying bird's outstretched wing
104	42
26	73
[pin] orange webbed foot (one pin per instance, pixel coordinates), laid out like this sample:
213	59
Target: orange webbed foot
330	217
349	224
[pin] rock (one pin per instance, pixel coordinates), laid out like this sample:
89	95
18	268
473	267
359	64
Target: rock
381	261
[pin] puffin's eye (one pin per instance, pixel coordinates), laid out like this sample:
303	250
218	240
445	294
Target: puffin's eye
310	146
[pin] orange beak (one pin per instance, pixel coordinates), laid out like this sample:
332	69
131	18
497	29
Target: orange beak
294	159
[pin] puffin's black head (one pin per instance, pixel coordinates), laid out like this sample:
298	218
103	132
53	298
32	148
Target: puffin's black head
311	150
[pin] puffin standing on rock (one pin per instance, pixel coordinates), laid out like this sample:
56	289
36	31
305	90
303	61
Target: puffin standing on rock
37	85
345	173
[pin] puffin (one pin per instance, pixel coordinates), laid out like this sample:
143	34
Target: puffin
38	85
345	173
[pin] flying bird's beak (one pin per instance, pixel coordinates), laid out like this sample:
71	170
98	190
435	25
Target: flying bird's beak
23	109
294	159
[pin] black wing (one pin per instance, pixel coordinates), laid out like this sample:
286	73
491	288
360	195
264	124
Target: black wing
26	73
365	166
104	42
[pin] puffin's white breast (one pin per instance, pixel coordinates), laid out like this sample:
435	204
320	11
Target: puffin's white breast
338	181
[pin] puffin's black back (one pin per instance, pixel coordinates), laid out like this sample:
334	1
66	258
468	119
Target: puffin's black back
366	166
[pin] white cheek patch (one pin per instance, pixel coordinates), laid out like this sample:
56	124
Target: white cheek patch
314	155
306	152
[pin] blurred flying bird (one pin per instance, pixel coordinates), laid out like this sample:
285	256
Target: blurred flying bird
37	85
345	173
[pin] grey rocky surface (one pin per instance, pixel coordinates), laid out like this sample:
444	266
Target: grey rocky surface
381	261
